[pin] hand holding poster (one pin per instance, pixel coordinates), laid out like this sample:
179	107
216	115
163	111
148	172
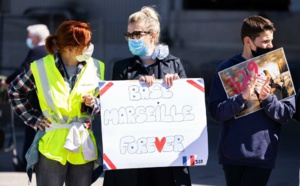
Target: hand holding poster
273	65
153	126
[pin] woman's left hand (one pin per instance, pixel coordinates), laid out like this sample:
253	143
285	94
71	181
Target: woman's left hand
169	78
88	100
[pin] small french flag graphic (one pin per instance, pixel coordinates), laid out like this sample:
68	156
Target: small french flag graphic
107	163
199	84
104	86
188	160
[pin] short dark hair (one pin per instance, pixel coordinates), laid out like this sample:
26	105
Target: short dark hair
254	25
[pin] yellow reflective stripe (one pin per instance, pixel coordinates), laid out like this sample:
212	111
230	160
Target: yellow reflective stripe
98	65
65	117
43	78
102	70
55	117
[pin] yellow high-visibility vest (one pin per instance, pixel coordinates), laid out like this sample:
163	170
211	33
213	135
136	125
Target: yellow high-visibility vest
61	106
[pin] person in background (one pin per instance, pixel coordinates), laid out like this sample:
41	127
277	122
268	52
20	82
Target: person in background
248	145
151	60
64	149
35	41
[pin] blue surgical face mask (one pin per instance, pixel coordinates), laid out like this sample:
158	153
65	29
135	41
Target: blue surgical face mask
138	47
29	43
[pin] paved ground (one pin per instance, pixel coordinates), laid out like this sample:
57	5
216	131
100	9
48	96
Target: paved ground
286	172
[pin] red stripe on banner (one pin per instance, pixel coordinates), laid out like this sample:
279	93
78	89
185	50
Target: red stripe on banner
105	88
109	163
196	85
192	160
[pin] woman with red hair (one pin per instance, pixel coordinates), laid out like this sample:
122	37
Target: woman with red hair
66	81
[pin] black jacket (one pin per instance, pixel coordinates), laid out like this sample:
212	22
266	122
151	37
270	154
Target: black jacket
132	68
32	55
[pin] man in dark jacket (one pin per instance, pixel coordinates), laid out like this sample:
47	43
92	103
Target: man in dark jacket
248	145
35	41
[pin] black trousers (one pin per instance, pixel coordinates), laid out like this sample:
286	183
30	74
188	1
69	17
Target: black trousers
237	175
163	176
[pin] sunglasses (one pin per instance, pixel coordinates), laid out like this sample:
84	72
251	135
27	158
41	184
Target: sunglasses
135	34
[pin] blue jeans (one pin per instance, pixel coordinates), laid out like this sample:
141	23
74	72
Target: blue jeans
53	173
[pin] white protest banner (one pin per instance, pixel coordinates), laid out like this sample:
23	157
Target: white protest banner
153	126
272	64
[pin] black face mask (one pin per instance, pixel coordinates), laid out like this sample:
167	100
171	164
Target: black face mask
260	51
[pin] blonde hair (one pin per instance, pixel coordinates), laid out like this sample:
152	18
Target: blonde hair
149	17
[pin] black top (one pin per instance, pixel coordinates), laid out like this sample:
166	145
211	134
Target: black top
33	54
133	68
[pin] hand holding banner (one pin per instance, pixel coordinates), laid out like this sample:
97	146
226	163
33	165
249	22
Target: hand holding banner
272	66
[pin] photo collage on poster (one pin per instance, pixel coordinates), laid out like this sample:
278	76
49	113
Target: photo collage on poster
272	64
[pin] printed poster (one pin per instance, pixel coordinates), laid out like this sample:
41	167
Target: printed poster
273	64
154	126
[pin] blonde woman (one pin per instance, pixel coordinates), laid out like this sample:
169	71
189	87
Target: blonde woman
151	60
